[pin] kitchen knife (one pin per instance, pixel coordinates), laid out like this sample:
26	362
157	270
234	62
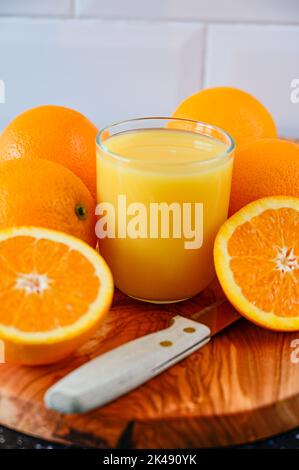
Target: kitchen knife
124	368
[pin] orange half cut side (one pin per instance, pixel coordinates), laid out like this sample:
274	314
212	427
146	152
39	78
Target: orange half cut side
256	257
54	292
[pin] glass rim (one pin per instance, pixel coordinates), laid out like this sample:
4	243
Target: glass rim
229	151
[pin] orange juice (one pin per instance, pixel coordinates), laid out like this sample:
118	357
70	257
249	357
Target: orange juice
138	169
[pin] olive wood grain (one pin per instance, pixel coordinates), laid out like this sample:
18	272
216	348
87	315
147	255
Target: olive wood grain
242	386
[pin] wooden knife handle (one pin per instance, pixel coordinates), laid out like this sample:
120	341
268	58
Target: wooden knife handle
124	368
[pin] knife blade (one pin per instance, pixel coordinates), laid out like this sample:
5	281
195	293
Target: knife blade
117	372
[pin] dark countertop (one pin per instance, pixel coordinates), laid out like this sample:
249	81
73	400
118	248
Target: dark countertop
14	440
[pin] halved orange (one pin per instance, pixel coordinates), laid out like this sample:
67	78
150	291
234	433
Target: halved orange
256	257
54	292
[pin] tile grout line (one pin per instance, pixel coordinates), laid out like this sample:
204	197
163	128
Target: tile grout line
74	9
74	16
204	54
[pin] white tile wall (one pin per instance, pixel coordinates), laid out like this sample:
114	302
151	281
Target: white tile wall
122	58
36	7
260	59
107	70
220	10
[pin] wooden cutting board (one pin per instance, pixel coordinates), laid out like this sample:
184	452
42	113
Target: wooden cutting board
240	387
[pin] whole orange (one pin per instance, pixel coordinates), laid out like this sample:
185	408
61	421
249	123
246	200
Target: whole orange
233	110
54	133
266	167
45	194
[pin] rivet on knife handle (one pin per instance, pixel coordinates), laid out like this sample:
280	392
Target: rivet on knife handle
119	371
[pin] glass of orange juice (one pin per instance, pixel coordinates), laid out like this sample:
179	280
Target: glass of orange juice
163	188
